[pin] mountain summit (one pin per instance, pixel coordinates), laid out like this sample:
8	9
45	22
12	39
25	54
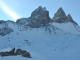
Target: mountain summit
60	16
70	19
39	16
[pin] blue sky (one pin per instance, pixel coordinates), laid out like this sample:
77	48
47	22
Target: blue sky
23	8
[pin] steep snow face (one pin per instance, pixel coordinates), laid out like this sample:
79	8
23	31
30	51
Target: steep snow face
68	27
52	41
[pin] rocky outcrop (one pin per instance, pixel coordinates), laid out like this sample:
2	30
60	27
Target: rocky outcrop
23	21
14	52
4	22
60	16
10	53
5	30
70	19
18	52
4	27
23	53
39	16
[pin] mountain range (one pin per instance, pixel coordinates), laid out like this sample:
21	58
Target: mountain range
45	38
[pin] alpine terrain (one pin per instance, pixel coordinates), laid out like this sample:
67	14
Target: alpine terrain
40	37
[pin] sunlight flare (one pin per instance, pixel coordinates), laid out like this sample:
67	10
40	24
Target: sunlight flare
8	11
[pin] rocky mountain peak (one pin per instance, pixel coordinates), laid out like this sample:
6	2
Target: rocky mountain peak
39	11
70	19
60	12
40	16
60	16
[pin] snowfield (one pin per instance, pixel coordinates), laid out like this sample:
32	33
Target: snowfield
55	42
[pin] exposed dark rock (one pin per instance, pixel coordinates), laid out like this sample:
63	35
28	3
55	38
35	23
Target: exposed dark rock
70	19
1	53
5	53
2	22
23	53
23	21
41	15
10	53
38	17
5	30
60	16
18	52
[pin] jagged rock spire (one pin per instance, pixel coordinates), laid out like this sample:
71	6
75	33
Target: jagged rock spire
39	11
70	19
60	16
40	16
60	13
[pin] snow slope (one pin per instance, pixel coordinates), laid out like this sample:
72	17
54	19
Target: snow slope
68	27
53	42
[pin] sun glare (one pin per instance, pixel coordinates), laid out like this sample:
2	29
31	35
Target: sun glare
8	11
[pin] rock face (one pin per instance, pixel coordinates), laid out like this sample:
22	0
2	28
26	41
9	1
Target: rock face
70	19
23	21
23	53
2	22
18	52
4	27
60	16
5	30
10	53
39	16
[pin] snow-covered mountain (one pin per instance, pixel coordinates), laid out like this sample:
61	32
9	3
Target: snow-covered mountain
45	38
